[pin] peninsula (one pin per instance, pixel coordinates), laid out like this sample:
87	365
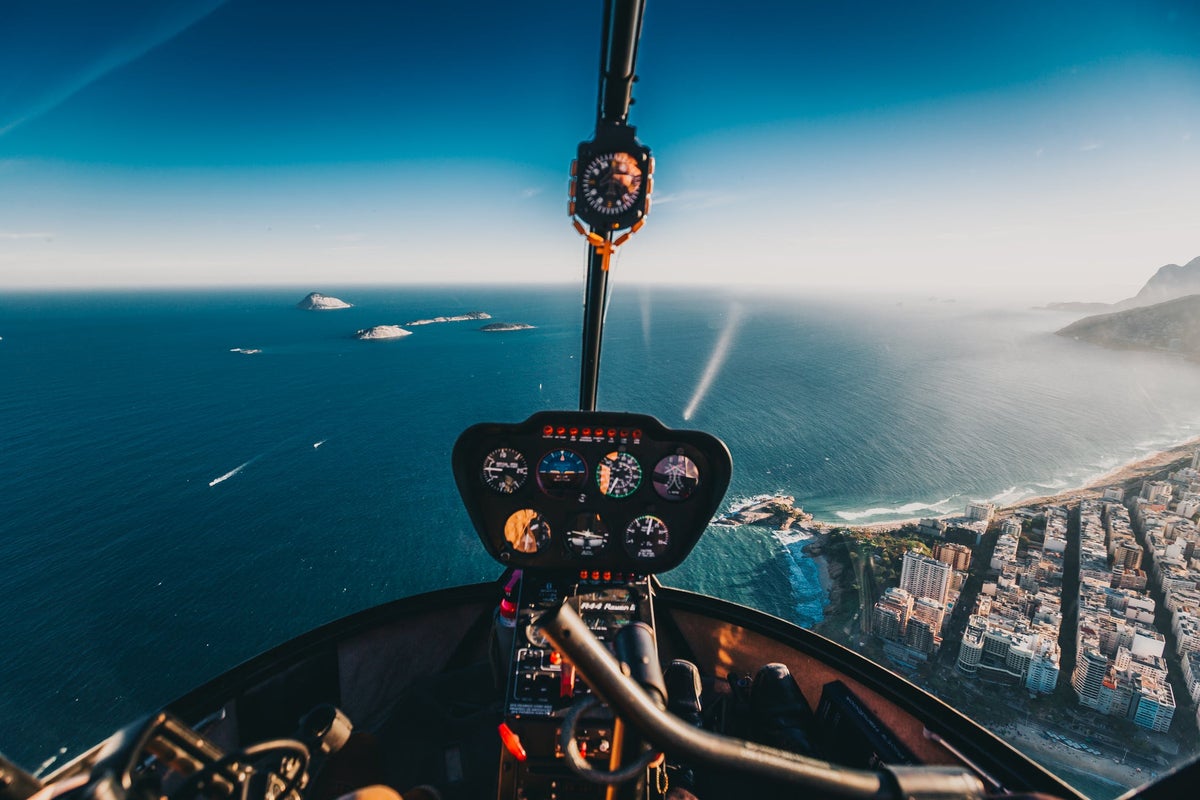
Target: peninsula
775	510
321	302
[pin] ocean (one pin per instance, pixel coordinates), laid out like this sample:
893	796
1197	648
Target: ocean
170	507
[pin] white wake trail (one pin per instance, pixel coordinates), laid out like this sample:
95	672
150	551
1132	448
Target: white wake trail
715	361
230	474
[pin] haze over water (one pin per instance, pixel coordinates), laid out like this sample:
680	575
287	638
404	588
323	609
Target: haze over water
166	513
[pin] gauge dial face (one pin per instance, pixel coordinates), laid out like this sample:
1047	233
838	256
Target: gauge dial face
562	473
527	531
618	475
646	537
587	536
504	470
534	634
676	477
610	183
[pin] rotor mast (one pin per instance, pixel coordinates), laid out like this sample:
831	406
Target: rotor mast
596	184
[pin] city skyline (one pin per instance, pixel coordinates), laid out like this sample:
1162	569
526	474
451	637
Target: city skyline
252	142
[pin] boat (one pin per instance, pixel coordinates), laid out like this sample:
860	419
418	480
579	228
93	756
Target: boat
576	672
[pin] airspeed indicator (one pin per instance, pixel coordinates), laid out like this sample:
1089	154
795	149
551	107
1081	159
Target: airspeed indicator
618	475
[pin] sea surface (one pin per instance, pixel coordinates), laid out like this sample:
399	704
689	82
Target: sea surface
170	507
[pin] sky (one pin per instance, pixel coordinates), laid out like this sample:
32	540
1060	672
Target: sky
1053	147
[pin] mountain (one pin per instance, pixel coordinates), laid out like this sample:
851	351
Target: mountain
1169	282
1173	326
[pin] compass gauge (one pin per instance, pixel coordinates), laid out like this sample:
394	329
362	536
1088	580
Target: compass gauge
504	470
611	183
562	473
618	475
647	537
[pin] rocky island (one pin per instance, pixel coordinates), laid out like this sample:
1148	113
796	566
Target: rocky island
507	326
381	332
321	302
775	510
460	318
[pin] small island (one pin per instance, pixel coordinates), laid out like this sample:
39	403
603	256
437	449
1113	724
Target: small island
381	332
321	302
775	510
460	318
507	326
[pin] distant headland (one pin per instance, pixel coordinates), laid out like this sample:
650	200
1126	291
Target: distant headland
321	302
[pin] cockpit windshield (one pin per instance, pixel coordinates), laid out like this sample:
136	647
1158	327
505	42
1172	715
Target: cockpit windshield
931	272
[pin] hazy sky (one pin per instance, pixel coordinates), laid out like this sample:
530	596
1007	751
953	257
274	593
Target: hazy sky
939	144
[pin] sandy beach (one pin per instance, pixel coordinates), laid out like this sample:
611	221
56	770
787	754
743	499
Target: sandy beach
1128	476
1028	739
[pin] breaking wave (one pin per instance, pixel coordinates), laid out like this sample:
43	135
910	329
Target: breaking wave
908	509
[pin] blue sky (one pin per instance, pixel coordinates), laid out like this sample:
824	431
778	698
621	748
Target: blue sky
933	144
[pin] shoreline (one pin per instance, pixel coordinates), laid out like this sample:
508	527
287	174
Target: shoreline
1135	470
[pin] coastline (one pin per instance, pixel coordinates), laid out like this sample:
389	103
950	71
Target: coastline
1132	472
1058	757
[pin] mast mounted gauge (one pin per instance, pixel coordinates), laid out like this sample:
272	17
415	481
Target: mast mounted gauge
611	180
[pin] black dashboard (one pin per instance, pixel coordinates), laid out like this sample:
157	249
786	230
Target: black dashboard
590	491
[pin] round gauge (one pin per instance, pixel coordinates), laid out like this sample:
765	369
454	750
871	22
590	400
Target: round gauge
562	473
504	470
610	183
527	531
647	537
676	477
618	475
534	634
587	536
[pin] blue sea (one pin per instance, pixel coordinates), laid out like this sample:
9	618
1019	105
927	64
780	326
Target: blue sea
170	507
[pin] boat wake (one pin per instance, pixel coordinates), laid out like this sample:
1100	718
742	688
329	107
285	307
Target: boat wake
232	472
318	444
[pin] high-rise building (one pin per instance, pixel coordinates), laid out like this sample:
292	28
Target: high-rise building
889	618
981	511
1091	668
922	576
1157	492
958	556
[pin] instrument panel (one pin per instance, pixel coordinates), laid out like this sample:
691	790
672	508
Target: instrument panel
590	490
